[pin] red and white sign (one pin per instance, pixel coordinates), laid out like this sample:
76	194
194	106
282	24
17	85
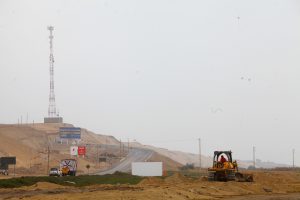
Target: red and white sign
81	150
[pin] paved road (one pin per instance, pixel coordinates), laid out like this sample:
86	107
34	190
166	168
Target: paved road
135	155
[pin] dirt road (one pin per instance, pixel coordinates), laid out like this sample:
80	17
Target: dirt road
295	196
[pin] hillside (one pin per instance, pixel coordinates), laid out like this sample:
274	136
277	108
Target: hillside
29	143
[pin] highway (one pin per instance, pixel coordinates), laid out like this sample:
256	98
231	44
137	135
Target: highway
135	155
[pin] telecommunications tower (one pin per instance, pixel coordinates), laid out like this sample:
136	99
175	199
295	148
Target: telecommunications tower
53	117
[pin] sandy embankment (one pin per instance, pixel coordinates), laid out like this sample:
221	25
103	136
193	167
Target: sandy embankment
280	185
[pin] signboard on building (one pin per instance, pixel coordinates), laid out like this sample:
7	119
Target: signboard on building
147	168
5	161
81	150
8	160
74	150
70	133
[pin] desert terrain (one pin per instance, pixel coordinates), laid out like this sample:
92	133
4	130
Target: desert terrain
267	185
29	144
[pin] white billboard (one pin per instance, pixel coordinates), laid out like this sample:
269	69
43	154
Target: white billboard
74	150
147	168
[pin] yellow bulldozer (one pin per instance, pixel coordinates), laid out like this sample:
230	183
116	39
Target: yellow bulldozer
225	169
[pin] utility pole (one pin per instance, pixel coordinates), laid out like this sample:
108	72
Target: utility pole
254	157
293	158
97	154
128	144
123	150
200	163
106	156
120	148
48	158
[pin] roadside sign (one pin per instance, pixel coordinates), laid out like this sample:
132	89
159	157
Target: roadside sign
70	133
74	150
147	168
81	150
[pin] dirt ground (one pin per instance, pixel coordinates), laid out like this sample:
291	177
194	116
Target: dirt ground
292	196
267	186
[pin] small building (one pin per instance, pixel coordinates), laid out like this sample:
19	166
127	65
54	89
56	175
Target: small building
53	120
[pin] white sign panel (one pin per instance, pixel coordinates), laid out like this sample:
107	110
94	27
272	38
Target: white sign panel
147	168
74	151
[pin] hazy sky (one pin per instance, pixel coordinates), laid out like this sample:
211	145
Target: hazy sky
163	72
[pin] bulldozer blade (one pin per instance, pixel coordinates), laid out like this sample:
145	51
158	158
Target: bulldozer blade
239	177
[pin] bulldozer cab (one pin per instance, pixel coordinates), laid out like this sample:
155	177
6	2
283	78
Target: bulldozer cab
218	154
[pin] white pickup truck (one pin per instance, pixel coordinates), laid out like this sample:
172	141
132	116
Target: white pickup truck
55	172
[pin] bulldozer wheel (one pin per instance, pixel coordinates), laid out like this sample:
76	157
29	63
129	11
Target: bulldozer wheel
211	176
221	177
231	176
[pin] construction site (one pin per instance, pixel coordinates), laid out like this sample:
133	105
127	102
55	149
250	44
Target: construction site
109	174
150	77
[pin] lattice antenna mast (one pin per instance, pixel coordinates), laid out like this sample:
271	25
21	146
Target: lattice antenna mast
52	107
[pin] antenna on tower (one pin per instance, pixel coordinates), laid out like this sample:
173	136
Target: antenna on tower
52	107
52	116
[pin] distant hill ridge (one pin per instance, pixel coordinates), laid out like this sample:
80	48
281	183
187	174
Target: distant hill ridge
29	143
